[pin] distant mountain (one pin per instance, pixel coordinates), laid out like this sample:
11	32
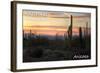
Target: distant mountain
52	37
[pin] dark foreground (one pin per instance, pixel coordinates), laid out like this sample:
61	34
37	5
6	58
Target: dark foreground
44	49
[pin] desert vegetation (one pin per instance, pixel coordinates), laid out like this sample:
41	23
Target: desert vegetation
42	48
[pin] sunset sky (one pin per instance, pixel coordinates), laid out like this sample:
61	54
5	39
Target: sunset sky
52	23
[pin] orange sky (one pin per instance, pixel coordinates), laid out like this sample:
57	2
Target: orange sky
49	30
52	23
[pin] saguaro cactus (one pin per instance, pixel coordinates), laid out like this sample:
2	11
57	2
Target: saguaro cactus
80	38
70	32
70	28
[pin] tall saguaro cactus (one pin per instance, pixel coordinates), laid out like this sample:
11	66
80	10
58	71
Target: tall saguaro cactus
70	28
70	31
80	38
80	33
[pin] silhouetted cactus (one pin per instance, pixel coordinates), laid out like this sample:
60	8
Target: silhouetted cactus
80	38
80	33
70	28
56	36
70	32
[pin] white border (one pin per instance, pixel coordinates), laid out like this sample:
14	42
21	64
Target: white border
34	65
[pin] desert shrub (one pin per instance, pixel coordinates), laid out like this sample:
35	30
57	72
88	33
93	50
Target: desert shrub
53	55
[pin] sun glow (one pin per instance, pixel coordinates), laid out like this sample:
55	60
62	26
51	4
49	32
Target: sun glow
52	23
